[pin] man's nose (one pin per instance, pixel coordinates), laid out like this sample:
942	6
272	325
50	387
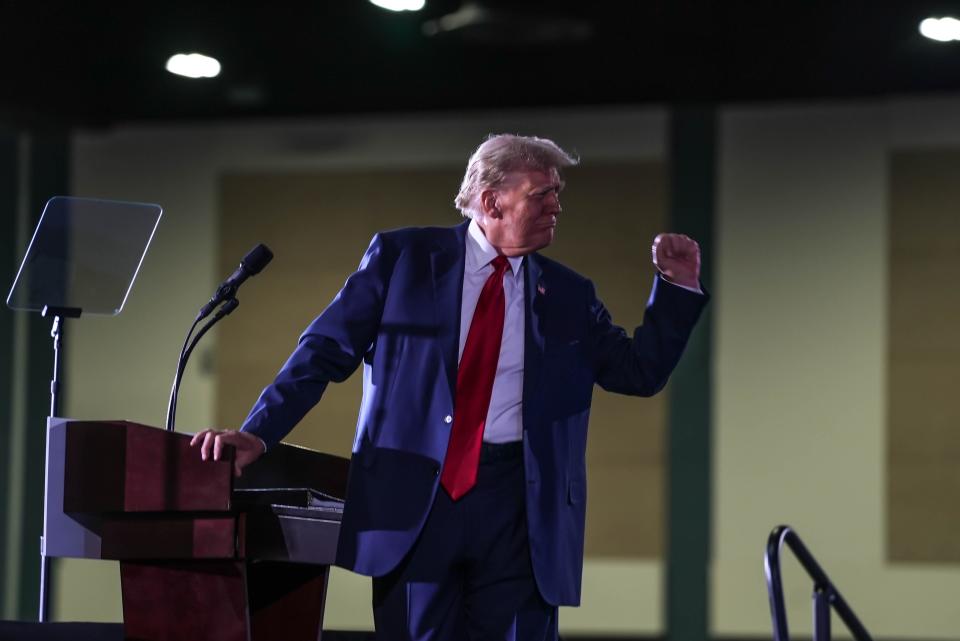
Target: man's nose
553	201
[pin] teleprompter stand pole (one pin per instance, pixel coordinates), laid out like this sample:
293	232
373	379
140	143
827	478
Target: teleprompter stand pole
56	333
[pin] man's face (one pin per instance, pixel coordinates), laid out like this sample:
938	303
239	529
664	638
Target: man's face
521	216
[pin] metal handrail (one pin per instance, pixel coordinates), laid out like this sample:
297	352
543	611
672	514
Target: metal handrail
825	594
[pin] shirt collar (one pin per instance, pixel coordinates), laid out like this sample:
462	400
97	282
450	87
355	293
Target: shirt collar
480	252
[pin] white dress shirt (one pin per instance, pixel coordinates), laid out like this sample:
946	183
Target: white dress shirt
505	416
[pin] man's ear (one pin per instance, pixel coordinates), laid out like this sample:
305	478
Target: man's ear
490	204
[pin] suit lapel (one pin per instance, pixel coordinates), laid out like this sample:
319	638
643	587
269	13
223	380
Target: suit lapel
447	263
534	295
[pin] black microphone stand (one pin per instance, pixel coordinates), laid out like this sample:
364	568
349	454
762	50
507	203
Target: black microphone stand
228	305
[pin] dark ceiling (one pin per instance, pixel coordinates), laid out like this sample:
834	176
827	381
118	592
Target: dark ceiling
97	62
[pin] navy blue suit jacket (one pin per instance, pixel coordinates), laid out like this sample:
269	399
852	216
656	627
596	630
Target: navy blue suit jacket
399	315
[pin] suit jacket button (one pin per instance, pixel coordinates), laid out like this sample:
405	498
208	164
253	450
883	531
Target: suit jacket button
448	419
436	471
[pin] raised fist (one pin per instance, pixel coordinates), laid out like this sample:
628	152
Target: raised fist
677	257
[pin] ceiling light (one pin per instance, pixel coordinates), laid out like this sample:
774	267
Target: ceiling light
941	29
193	65
400	5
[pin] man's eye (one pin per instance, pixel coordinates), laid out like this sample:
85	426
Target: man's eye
543	194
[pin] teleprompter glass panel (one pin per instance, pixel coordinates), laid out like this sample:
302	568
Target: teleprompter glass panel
84	254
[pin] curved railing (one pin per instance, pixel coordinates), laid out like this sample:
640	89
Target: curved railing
825	594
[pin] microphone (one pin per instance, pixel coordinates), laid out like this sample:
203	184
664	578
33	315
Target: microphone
251	265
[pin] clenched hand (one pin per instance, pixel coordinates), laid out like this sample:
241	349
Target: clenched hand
677	257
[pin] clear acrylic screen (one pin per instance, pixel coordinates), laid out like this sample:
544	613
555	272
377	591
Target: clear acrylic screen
85	254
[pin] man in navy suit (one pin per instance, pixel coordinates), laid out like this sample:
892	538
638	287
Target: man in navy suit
467	491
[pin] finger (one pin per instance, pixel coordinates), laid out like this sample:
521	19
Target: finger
681	246
687	244
237	470
691	251
207	445
667	244
196	437
218	446
656	249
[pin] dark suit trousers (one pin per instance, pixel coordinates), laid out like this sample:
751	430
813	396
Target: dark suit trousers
469	576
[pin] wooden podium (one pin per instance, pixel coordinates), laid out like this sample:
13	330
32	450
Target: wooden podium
202	555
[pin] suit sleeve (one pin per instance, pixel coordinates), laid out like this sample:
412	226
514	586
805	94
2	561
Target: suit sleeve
330	349
641	365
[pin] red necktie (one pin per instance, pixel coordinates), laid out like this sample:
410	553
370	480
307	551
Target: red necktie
478	366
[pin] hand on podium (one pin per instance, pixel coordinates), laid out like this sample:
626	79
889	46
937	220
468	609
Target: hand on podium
248	447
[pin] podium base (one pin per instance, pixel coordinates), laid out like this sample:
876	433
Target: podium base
221	600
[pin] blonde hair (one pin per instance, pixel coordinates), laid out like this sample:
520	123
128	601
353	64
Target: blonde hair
502	154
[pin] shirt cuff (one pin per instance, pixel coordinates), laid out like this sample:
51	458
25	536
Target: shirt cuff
695	290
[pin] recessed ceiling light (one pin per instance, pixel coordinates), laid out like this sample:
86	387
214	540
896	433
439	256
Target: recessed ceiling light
400	5
941	29
193	65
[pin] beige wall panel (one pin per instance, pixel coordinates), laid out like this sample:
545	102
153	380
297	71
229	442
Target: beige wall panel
923	442
800	330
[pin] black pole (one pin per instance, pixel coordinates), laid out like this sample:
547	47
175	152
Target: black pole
833	599
56	333
821	613
227	308
693	149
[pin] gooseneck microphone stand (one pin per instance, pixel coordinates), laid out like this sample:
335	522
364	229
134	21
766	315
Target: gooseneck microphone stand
226	309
